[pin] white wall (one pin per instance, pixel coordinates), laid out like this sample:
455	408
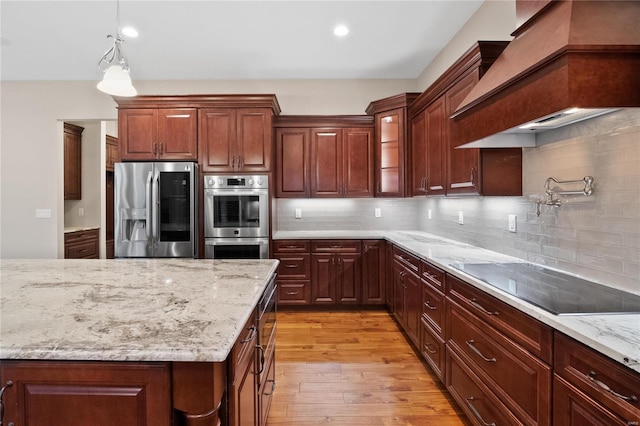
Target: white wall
31	153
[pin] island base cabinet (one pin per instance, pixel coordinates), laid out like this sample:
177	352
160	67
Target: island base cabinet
51	393
198	389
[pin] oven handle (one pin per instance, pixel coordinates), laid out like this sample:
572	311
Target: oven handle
155	201
149	201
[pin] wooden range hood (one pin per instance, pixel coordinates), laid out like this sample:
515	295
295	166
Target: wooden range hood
568	54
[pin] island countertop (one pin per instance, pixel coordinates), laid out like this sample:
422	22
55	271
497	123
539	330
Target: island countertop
127	309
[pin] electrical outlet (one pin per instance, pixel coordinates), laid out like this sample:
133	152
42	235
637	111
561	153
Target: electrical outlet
429	214
377	212
80	211
43	213
298	213
513	223
460	218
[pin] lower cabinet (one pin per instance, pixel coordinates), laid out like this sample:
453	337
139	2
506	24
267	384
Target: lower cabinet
336	274
373	272
82	244
407	293
294	271
590	389
242	383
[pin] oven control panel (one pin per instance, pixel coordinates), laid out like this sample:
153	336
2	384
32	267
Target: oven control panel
236	182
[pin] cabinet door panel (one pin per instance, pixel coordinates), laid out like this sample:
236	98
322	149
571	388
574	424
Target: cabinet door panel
323	286
413	306
390	153
72	164
373	272
326	161
358	162
100	394
292	163
138	133
398	293
348	279
418	154
177	134
463	163
436	121
217	131
254	140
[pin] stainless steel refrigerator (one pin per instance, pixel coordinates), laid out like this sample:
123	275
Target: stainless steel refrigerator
155	209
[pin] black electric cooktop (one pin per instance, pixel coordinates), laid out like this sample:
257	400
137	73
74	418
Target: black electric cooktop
554	291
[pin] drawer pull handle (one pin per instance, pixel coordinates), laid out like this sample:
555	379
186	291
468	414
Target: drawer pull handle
290	266
606	388
481	308
273	387
428	305
251	336
8	384
476	413
292	293
291	246
471	345
427	347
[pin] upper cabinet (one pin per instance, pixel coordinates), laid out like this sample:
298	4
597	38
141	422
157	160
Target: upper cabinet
224	133
158	134
111	152
439	167
324	156
235	139
391	144
72	162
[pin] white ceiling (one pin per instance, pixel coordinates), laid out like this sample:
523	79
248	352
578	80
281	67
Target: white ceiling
201	40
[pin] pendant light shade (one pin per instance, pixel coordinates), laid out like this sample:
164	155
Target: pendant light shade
116	80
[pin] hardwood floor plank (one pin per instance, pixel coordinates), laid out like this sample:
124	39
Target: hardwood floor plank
353	369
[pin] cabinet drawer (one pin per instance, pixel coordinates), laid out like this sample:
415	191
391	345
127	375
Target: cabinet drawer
80	236
433	308
336	246
294	266
606	381
408	260
574	408
432	349
432	275
478	403
85	250
294	293
244	348
520	380
291	246
524	330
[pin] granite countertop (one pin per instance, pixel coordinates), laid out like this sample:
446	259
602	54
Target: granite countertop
68	229
126	309
615	335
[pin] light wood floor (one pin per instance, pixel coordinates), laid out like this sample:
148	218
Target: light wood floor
353	369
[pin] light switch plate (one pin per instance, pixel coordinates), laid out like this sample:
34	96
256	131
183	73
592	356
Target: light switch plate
43	213
298	213
513	223
460	218
429	214
377	212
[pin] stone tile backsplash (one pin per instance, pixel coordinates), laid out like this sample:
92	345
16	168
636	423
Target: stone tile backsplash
596	237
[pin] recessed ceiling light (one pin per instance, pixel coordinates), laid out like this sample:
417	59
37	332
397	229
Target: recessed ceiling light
130	32
341	30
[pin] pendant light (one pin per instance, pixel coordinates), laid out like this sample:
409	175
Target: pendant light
116	80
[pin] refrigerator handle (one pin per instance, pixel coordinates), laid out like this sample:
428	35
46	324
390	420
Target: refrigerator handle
148	200
155	206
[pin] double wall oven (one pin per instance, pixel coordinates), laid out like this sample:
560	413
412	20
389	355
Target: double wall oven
236	217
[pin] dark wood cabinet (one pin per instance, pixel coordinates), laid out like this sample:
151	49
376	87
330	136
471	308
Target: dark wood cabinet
336	275
112	153
433	322
373	272
391	144
407	293
342	162
243	385
292	162
235	139
439	167
147	134
324	156
72	161
428	133
591	389
109	215
81	393
82	244
294	271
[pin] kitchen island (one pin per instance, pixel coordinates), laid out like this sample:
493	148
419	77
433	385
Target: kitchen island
144	341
